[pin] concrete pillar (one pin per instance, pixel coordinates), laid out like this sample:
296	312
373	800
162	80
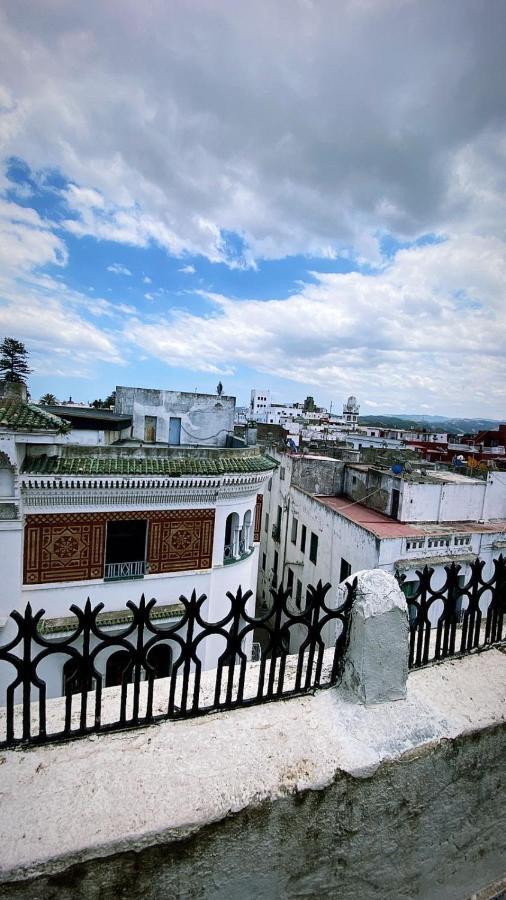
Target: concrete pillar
376	660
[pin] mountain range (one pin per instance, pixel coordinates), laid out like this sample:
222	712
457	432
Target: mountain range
439	423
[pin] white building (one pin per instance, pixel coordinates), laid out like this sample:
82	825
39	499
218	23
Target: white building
177	417
113	522
260	401
325	519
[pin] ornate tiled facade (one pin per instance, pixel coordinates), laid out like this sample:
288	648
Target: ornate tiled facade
258	517
72	547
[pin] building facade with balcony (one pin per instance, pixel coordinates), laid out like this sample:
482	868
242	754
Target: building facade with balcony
114	522
324	518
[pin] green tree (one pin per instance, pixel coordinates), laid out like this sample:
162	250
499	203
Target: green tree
14	361
48	400
105	404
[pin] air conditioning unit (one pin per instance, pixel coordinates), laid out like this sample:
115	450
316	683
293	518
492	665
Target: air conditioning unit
256	652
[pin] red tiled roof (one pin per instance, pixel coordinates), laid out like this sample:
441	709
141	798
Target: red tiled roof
384	527
378	523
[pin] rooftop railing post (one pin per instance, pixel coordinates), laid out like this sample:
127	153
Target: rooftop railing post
376	658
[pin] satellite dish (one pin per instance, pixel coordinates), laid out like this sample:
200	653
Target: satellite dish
397	469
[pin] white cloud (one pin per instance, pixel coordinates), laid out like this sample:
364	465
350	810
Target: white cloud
26	241
187	270
146	280
242	142
415	331
302	139
41	310
118	269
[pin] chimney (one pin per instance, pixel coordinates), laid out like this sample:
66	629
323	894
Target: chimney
13	390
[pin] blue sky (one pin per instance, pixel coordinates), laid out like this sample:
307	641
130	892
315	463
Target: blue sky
175	210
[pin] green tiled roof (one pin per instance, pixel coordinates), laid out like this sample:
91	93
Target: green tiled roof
115	617
169	466
21	416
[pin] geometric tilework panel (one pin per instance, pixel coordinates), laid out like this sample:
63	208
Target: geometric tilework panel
258	518
71	547
181	539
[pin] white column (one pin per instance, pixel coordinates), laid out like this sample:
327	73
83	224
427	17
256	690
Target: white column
376	660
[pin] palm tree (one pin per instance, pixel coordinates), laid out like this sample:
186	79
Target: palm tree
48	400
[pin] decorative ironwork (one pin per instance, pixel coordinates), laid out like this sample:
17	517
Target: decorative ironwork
83	656
117	571
458	617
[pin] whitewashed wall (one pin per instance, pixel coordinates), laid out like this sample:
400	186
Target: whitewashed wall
206	419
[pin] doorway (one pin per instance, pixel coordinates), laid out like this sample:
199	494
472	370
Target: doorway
174	430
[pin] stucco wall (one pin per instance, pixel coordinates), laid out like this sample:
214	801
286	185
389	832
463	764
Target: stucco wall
314	797
205	418
372	487
445	502
401	835
318	476
495	501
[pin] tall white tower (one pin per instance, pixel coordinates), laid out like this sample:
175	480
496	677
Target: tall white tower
259	404
351	410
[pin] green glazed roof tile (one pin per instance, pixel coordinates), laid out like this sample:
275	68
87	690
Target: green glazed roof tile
130	466
19	416
114	617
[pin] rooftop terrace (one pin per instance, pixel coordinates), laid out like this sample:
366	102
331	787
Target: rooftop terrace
151	461
421	475
384	527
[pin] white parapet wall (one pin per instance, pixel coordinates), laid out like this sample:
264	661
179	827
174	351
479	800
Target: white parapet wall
342	793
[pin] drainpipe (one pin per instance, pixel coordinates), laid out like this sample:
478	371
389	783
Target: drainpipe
481	519
287	509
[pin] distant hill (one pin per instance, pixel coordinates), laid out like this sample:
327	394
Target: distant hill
439	423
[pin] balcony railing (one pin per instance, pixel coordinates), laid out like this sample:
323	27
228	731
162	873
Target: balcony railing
124	570
235	552
183	692
236	682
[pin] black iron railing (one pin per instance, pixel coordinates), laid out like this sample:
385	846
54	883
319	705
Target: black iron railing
87	659
462	615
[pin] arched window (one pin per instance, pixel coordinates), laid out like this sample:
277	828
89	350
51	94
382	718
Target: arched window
74	679
160	658
6	476
232	535
247	535
119	668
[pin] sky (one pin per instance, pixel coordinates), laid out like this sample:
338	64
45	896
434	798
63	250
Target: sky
300	195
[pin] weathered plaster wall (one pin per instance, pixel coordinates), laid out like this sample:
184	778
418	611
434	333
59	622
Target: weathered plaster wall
205	418
318	476
386	838
495	500
313	797
445	502
372	487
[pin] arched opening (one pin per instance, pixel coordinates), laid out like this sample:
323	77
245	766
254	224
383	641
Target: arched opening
6	476
75	680
247	534
232	535
119	668
160	658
